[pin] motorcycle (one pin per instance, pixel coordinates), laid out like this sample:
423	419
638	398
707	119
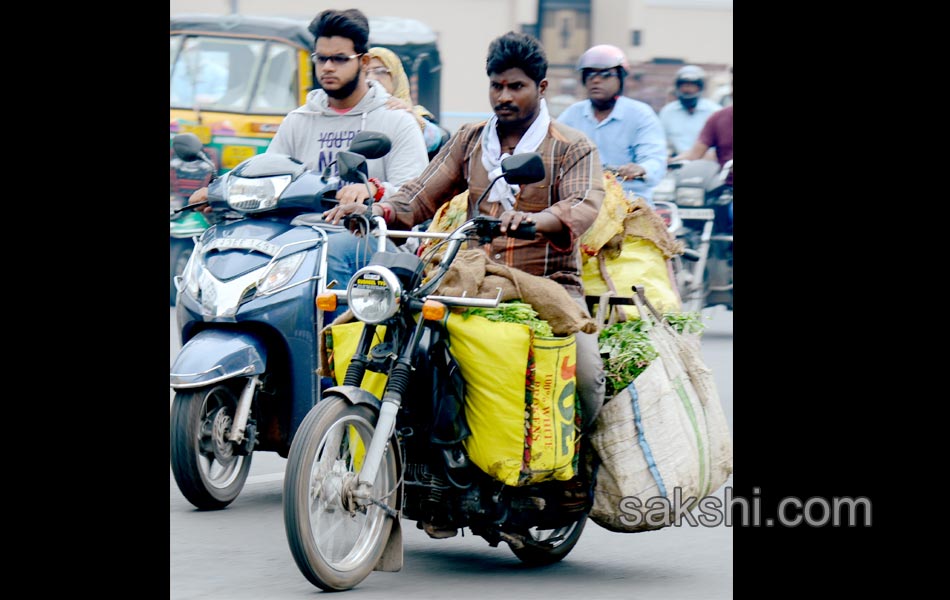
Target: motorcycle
359	463
190	169
245	376
704	207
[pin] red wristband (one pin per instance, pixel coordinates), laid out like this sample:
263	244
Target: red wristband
379	189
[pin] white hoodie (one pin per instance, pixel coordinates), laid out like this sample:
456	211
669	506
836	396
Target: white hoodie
314	133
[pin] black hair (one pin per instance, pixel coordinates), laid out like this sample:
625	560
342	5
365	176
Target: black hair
517	50
351	24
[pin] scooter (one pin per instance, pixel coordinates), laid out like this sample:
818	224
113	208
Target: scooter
704	206
246	374
190	169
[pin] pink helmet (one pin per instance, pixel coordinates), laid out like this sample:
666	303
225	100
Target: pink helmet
603	56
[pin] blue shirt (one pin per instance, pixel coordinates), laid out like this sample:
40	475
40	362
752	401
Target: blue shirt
632	133
682	128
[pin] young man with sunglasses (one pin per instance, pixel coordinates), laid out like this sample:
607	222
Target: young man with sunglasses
627	132
347	104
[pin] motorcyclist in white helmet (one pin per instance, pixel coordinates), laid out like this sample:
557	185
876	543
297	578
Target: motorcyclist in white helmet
684	117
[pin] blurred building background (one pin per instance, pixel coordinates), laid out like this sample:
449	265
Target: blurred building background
658	36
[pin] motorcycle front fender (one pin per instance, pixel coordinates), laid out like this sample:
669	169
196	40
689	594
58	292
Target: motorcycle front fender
353	395
213	355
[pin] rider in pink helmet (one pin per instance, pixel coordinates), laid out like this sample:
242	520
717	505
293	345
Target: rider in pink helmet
603	56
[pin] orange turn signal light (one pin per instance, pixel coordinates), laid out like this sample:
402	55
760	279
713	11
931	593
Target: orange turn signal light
326	301
433	310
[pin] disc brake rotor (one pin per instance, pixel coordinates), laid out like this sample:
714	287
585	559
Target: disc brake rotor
214	436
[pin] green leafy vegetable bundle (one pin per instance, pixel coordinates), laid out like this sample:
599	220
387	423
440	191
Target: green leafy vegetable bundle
514	312
626	348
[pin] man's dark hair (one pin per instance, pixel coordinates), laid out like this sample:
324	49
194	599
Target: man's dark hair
351	24
517	50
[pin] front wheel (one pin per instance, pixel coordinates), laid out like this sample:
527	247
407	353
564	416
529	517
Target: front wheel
335	540
208	472
548	546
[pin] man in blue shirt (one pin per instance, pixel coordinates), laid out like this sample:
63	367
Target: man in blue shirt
684	118
627	132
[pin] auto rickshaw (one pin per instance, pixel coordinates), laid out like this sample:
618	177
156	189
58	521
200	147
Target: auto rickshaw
233	78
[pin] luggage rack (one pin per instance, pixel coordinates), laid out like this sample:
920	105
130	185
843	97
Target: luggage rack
607	303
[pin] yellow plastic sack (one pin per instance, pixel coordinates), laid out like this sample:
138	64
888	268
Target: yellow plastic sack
519	399
640	263
341	345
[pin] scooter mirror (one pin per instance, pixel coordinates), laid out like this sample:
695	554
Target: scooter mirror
187	146
352	166
370	144
526	167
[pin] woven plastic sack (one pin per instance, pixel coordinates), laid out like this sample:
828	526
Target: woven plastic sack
519	399
666	432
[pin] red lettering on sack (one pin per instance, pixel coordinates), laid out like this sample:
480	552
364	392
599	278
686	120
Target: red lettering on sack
567	371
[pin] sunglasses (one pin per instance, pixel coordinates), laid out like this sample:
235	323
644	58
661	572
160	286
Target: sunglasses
336	59
605	74
378	71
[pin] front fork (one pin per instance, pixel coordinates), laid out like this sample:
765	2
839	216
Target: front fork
243	411
396	385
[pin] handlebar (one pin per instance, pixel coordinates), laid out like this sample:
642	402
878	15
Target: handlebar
480	228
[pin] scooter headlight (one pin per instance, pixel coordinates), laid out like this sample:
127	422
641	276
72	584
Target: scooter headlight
280	272
255	194
689	196
373	294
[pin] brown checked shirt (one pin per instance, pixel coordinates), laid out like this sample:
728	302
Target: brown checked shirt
573	190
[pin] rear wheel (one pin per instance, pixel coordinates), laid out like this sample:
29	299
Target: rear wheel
548	546
334	541
208	472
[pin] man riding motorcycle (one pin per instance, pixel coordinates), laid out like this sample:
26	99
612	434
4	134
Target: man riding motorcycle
561	207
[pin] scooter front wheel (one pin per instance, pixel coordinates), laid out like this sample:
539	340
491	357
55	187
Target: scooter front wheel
335	540
208	472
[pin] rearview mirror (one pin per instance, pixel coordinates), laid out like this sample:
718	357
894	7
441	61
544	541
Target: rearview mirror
370	144
523	168
187	146
351	166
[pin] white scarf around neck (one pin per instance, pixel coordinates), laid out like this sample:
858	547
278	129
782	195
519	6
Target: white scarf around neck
492	156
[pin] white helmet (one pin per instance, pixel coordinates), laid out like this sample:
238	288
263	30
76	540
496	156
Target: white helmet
691	74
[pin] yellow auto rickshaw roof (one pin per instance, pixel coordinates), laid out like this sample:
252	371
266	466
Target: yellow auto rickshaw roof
290	30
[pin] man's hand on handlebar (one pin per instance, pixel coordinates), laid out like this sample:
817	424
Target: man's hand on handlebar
631	171
353	192
336	214
200	195
514	218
